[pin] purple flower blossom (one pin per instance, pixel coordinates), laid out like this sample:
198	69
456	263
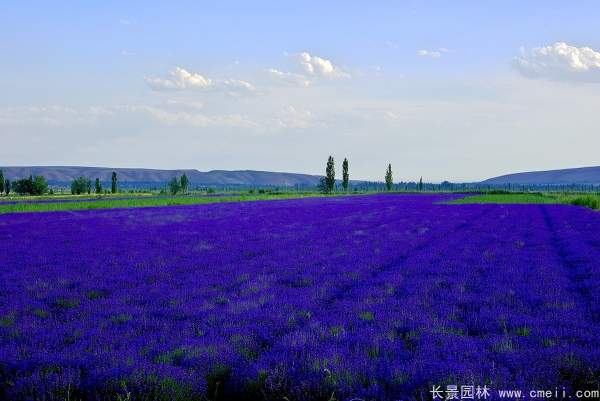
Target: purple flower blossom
376	297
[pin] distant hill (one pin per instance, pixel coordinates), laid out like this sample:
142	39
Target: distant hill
582	175
132	176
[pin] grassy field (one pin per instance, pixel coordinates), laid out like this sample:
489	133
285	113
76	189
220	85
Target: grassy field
507	198
140	202
29	198
591	201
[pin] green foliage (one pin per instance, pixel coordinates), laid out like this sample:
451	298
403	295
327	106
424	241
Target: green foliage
81	185
183	183
345	175
322	186
40	185
7	187
113	184
420	184
30	186
367	316
8	320
174	186
330	174
98	186
216	380
1	182
591	201
389	180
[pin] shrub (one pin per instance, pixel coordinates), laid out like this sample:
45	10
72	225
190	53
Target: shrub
31	186
593	202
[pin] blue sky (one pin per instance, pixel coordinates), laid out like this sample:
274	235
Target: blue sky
445	90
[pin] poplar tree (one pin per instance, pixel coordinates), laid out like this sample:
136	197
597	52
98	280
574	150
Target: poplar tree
1	182
389	180
183	183
174	186
345	174
113	185
98	186
330	174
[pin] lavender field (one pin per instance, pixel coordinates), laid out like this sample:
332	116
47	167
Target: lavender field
367	297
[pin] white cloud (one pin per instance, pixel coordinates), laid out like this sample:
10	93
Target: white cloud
181	79
289	77
560	61
313	67
172	112
317	66
52	115
171	117
294	118
430	53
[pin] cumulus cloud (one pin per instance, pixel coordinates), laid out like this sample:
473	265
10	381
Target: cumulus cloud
313	68
318	66
181	79
560	61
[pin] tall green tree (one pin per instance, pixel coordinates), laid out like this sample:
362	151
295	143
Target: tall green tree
389	179
345	174
174	186
98	186
183	183
7	187
113	183
420	184
322	186
1	182
330	174
40	185
81	185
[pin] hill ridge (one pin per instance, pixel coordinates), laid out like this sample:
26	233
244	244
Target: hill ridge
577	175
130	175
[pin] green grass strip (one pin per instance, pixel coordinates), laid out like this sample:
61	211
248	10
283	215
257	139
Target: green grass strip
129	203
591	201
507	198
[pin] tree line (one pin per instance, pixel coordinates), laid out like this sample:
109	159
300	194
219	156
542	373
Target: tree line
31	186
327	183
38	185
83	185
